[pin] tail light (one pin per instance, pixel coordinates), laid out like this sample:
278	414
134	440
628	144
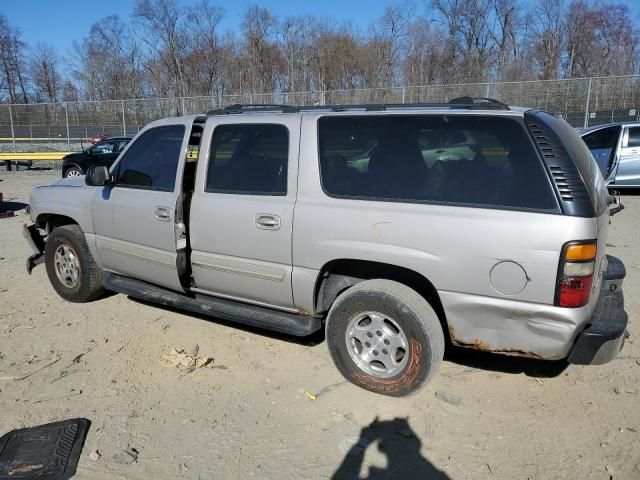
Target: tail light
575	274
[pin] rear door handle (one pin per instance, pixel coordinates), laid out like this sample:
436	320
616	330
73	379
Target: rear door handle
266	221
162	214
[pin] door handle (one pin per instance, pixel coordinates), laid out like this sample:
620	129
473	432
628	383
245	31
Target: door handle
266	221
162	214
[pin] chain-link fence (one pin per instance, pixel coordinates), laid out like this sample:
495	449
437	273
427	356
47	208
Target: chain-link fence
69	126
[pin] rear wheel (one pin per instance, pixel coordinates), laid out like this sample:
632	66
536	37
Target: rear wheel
70	266
384	337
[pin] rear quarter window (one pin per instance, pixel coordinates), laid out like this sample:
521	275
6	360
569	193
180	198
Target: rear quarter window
486	161
583	159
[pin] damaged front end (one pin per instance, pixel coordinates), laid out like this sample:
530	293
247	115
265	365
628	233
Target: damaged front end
36	241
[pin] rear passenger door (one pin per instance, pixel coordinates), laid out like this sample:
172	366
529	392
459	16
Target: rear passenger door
628	172
242	209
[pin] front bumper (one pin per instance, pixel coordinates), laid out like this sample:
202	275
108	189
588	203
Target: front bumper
604	335
36	242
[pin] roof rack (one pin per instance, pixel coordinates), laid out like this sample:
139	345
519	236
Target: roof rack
253	108
467	100
469	103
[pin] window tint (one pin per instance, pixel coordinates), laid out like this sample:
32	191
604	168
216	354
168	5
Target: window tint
605	138
103	148
121	145
152	160
634	137
249	159
455	159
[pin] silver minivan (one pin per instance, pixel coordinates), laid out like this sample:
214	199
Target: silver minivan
398	229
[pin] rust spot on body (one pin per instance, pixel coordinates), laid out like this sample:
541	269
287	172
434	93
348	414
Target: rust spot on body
478	344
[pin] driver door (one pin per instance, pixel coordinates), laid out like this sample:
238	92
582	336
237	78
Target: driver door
134	218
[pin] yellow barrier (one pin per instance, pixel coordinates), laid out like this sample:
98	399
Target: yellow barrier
22	156
41	139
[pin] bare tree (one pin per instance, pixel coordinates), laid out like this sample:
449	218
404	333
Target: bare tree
204	60
263	62
109	61
47	82
12	54
166	38
549	34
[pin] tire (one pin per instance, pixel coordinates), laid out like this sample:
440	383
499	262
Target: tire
72	172
404	312
77	264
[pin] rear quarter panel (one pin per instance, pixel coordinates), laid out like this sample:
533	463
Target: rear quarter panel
454	247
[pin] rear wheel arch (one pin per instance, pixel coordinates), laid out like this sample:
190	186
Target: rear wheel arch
339	275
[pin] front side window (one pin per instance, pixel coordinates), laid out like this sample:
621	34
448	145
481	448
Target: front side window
249	159
103	148
481	160
634	137
152	160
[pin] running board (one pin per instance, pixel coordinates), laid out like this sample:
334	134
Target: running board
252	315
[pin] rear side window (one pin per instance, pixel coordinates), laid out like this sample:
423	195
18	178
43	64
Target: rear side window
249	159
602	144
485	161
605	138
634	137
152	160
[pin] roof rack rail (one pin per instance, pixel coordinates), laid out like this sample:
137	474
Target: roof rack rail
252	107
470	103
468	100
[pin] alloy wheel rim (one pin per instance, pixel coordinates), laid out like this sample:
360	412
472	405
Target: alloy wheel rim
377	344
67	266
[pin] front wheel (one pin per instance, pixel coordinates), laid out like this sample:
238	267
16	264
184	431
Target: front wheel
73	172
70	267
384	337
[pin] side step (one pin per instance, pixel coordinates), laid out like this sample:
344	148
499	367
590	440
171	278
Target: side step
252	315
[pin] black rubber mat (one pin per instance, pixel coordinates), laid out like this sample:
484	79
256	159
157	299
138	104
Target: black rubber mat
45	452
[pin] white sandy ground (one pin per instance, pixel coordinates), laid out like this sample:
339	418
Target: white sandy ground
248	416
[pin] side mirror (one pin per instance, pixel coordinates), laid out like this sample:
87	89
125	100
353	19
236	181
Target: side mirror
97	176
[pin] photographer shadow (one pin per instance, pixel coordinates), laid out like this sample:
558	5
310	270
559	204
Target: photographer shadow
399	443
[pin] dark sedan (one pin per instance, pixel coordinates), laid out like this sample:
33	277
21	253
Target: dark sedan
102	153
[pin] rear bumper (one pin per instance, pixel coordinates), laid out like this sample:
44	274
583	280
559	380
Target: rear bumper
604	335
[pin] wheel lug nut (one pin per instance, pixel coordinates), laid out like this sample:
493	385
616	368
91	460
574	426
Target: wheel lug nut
386	341
367	344
379	333
384	351
375	352
369	334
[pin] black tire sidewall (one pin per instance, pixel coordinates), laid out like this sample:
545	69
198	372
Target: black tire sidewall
420	350
61	236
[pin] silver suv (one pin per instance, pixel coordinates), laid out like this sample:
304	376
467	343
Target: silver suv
399	229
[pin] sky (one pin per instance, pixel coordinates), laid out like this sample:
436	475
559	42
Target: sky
60	22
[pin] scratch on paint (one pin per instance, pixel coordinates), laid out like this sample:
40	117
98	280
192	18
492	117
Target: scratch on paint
378	233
